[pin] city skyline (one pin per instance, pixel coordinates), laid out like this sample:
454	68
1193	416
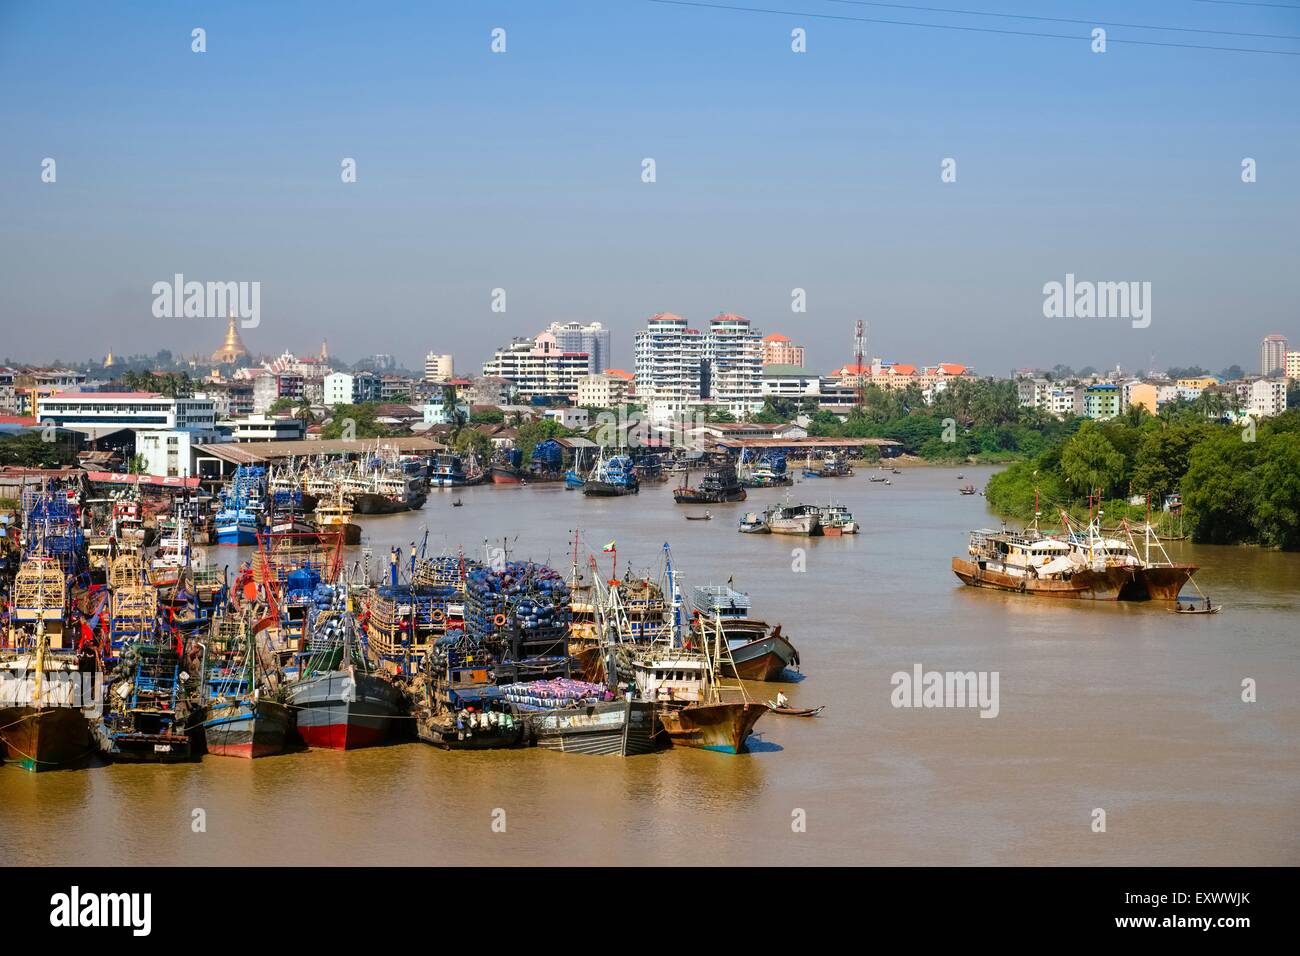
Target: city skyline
814	175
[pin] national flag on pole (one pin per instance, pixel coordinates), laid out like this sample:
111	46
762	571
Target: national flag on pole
609	547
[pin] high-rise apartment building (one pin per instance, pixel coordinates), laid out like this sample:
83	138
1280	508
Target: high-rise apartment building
1272	355
678	367
592	339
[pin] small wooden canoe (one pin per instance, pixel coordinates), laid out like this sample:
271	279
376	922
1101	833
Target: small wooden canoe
699	517
1215	609
795	712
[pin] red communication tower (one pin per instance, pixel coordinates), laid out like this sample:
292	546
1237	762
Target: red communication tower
859	339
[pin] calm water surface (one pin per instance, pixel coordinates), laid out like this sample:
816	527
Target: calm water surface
1127	708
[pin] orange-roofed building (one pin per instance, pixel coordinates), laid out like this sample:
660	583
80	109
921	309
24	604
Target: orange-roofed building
779	350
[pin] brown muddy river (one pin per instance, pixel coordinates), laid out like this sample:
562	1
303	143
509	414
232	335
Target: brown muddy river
1124	708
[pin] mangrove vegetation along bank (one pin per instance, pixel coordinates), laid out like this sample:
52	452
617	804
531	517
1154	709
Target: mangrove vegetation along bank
1237	483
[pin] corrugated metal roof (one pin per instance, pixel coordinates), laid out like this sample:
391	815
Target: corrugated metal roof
251	453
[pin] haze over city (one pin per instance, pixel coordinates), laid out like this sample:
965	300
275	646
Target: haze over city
522	170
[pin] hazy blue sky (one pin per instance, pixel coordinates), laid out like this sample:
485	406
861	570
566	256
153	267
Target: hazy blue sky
522	170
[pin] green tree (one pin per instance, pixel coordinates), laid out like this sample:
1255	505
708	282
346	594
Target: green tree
1089	460
354	421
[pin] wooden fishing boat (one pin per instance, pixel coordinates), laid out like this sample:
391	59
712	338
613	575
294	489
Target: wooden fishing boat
704	517
242	717
1192	609
48	701
796	712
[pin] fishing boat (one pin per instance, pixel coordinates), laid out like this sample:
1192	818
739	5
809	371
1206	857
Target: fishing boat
754	522
49	692
685	683
240	516
456	703
830	466
769	472
719	484
756	651
173	558
146	721
334	514
1197	609
39	598
448	471
48	703
242	717
966	490
796	712
507	468
704	517
795	519
612	477
340	702
692	708
1151	574
837	520
380	491
622	727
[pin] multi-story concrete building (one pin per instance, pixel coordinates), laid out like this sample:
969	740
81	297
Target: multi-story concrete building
99	411
1034	392
1267	397
1272	355
779	350
266	391
395	388
733	354
1292	367
1190	389
1066	401
569	417
8	399
1101	400
439	367
539	368
593	339
348	388
791	382
609	389
669	360
678	368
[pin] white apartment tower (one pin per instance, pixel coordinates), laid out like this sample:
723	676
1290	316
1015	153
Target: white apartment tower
679	368
1272	355
669	355
733	353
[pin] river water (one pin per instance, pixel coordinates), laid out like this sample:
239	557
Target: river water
1126	709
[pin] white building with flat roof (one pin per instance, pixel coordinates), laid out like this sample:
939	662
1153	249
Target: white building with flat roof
103	411
439	367
539	368
1267	397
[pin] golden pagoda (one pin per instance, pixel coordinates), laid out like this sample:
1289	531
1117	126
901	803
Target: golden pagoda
232	349
108	360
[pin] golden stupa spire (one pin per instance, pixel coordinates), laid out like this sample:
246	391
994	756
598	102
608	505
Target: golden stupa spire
108	360
232	349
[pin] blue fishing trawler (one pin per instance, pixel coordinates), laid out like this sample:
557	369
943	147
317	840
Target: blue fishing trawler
240	516
612	477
